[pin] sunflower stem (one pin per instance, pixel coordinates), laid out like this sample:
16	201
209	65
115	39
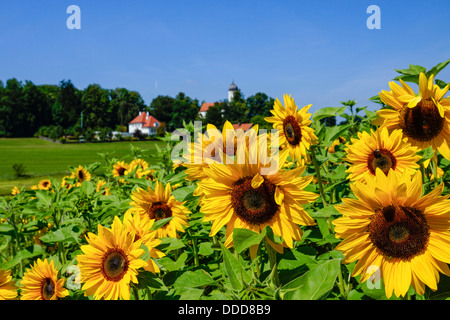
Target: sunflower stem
273	263
422	171
434	170
135	293
319	179
194	248
341	284
216	253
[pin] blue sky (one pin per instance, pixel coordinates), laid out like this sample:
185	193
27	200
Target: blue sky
320	52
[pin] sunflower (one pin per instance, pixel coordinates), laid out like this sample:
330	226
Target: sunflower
382	150
247	196
41	282
110	262
338	141
141	226
214	146
160	204
8	290
137	164
65	183
101	186
15	191
120	169
148	174
424	117
392	227
80	175
45	184
295	132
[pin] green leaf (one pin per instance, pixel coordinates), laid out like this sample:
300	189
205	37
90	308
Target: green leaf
328	112
325	212
146	255
376	99
375	290
6	229
370	114
160	223
170	265
205	248
188	293
181	194
332	133
169	244
440	83
67	234
426	153
314	284
87	188
147	279
29	252
413	70
235	272
194	279
244	238
409	78
437	68
44	198
293	260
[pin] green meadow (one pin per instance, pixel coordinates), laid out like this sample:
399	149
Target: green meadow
44	158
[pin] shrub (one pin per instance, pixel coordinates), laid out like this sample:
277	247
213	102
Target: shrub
19	170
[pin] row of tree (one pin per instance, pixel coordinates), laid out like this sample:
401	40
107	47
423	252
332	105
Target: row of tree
173	111
26	107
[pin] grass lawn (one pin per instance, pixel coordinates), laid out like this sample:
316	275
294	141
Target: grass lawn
43	158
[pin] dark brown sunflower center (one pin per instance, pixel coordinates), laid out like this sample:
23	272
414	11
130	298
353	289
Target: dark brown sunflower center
47	289
160	210
80	175
292	130
399	232
114	264
381	158
121	171
254	206
45	184
423	122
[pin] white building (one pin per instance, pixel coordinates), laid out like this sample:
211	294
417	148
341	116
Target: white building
144	122
231	90
206	105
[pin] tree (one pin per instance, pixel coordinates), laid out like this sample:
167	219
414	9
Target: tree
35	111
259	105
50	93
183	109
69	98
95	105
125	105
236	110
10	108
162	107
214	114
262	124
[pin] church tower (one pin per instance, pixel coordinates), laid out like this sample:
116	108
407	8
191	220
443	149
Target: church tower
231	90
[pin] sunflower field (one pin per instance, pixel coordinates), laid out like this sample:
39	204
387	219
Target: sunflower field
307	211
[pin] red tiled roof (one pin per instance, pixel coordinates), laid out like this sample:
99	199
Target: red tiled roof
243	126
147	120
140	118
151	120
205	106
